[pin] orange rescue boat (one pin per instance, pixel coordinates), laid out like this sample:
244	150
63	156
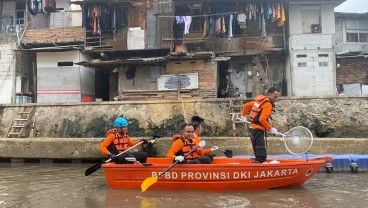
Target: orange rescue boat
222	174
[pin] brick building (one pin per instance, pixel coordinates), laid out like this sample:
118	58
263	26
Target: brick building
125	49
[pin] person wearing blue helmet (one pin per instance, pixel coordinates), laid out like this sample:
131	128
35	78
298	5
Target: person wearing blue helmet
118	140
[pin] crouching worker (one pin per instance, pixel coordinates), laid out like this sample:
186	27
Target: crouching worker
184	144
118	140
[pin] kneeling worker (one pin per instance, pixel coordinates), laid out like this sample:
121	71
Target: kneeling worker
118	141
184	144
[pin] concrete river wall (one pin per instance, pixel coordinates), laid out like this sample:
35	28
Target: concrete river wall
74	130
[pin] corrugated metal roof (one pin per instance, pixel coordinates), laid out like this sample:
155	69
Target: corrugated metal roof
50	49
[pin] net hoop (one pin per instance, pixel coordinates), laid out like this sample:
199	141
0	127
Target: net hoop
298	140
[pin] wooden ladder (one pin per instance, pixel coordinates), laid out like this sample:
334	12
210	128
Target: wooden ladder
260	73
18	127
236	107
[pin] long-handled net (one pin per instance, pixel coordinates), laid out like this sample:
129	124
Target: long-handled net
298	140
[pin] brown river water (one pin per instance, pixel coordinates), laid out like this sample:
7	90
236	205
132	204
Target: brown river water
45	185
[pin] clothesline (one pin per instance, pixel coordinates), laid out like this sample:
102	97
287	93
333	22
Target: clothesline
203	15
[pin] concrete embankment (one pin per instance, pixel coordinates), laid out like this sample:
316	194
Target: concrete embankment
87	148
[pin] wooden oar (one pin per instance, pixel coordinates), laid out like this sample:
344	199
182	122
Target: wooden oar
97	166
151	180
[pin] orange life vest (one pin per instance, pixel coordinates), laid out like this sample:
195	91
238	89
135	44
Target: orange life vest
188	146
256	110
120	143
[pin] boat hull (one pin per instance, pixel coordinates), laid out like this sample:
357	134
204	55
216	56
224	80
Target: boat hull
222	174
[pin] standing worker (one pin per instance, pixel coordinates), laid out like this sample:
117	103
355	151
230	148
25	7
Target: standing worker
118	140
260	112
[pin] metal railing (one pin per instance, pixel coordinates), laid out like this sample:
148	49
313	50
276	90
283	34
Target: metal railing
10	25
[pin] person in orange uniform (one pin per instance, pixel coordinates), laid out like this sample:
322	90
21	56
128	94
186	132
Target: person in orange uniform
184	144
260	112
118	140
197	125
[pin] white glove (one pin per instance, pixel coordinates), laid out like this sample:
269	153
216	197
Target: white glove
179	158
214	148
274	131
202	144
244	120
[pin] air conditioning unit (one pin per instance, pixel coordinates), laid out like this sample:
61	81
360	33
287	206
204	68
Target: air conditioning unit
316	28
10	29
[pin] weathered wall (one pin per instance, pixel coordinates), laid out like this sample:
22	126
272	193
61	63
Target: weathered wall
342	116
7	67
207	78
70	34
352	70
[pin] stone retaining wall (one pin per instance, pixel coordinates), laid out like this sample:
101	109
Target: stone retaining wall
343	117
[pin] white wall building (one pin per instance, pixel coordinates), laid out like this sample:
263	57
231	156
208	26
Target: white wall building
59	80
312	61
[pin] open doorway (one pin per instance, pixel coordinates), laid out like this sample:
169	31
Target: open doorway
223	70
103	84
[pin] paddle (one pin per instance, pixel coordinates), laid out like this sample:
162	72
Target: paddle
228	153
97	166
151	180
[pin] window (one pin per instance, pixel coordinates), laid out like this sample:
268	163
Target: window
302	64
311	15
338	28
322	55
302	56
356	30
20	8
323	64
67	63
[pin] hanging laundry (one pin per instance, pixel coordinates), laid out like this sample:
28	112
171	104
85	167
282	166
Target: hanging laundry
52	5
268	11
260	21
242	20
205	27
187	22
230	31
278	11
250	10
98	27
223	28
255	11
175	31
282	18
114	21
179	19
39	6
218	26
263	22
212	26
31	7
273	12
94	15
